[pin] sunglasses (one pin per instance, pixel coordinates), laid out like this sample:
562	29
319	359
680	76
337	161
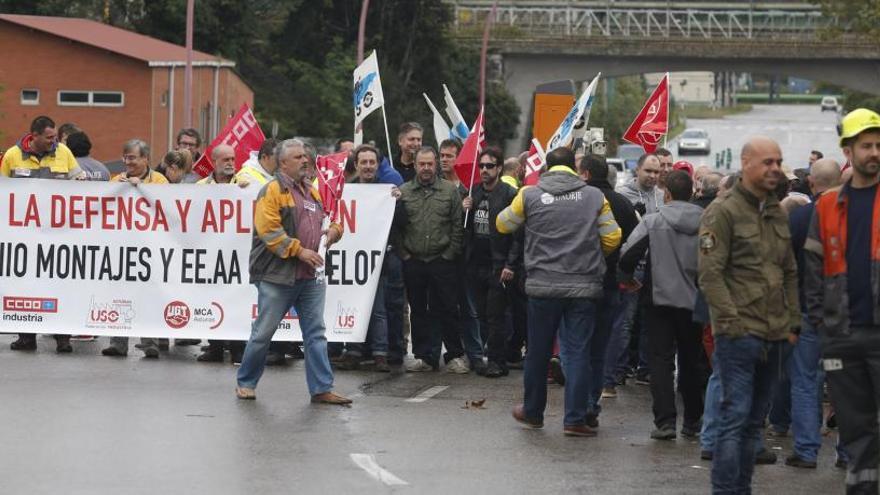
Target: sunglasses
488	165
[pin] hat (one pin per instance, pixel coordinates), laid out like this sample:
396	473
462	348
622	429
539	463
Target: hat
858	121
683	165
789	174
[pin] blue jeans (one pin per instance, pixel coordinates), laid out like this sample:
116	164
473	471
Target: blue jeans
617	355
712	413
471	335
273	301
798	400
392	270
575	319
377	333
605	315
748	368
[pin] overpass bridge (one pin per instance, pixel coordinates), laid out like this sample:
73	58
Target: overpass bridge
539	41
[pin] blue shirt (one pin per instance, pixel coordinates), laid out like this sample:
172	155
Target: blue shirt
860	214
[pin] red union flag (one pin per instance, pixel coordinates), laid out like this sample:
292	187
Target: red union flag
652	122
331	181
465	164
534	163
242	132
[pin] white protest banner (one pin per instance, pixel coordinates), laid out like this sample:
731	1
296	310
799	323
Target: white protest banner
165	261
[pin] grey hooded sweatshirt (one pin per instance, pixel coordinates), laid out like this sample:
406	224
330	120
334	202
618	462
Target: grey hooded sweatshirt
670	237
652	198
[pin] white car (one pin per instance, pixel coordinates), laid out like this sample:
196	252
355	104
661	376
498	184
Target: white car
829	103
694	141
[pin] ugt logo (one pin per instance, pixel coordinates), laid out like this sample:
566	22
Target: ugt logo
363	97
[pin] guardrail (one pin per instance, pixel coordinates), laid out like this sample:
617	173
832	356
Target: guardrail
544	20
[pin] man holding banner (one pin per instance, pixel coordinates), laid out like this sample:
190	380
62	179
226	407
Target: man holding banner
288	219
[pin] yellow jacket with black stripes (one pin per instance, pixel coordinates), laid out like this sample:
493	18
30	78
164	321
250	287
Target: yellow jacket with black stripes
275	244
569	229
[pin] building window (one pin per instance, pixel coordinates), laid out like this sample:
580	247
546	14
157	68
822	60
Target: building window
30	97
91	98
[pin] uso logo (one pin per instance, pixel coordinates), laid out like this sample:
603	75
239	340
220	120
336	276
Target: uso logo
177	314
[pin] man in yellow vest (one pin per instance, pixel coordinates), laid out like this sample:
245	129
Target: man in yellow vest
39	155
136	157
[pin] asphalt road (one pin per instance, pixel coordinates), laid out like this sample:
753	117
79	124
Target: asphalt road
798	129
86	424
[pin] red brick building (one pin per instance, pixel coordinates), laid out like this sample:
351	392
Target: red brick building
114	84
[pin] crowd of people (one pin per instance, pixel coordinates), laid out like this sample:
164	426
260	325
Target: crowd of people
745	293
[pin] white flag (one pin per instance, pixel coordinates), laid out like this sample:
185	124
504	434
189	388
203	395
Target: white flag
367	89
576	119
459	129
441	129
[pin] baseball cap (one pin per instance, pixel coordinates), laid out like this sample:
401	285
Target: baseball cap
858	121
684	165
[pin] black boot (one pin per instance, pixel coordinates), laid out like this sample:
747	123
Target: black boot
62	344
25	342
213	354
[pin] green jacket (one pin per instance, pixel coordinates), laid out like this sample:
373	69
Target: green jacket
747	268
434	226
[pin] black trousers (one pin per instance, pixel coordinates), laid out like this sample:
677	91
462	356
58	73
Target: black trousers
491	301
852	366
671	329
435	281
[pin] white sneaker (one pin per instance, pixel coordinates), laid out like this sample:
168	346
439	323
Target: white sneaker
418	365
457	366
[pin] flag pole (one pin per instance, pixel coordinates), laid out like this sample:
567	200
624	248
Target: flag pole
668	93
477	129
387	137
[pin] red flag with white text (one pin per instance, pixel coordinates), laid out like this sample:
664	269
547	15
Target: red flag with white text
534	163
652	123
465	164
242	132
331	181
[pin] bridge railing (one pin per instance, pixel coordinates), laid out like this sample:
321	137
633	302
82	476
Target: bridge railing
580	21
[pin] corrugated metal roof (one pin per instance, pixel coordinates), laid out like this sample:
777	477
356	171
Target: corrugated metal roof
114	39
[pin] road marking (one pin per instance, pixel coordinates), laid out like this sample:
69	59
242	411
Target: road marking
427	394
368	463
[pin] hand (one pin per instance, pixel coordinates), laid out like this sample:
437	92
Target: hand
310	257
243	183
333	236
630	286
81	177
131	180
395	192
506	274
467	203
793	338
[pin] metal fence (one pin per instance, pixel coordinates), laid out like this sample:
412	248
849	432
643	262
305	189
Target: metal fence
679	22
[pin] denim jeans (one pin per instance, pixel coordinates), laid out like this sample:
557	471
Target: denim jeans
712	413
392	270
616	354
748	368
798	400
575	320
273	301
377	333
605	316
472	332
490	298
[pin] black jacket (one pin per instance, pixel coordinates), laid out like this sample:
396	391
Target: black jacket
625	216
506	249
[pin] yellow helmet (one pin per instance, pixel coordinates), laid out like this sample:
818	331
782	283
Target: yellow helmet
858	121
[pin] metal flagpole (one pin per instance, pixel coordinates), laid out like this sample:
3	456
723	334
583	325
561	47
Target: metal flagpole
668	93
387	136
478	127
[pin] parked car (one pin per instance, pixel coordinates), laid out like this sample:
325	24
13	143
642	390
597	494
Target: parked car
829	103
694	141
630	154
623	174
